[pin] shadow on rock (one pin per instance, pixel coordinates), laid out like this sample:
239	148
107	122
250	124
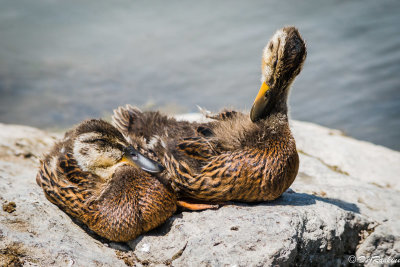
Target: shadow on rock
289	198
161	230
303	199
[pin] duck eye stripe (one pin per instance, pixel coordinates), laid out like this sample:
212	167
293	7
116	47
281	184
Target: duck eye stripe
95	141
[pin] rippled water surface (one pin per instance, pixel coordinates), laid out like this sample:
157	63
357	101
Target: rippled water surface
64	61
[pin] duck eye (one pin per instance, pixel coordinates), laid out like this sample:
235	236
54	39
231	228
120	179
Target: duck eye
275	63
97	140
100	141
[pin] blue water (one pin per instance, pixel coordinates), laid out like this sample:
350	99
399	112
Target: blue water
64	61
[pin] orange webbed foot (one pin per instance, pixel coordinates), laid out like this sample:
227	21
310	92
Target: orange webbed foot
197	206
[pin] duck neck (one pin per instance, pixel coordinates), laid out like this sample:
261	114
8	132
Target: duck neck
280	105
276	122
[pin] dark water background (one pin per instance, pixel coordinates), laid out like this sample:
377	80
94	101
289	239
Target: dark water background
64	61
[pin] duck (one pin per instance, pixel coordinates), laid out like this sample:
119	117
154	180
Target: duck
102	181
246	157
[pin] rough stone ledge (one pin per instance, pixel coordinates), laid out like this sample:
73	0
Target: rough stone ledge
344	202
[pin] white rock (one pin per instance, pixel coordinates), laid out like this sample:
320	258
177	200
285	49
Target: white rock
362	160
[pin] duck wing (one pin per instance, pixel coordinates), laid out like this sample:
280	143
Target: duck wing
227	176
67	186
198	148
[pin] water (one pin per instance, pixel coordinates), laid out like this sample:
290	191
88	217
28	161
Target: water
64	61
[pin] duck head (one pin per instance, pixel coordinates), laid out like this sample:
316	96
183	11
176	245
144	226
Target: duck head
281	62
101	149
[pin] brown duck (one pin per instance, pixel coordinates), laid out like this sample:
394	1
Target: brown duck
95	176
235	156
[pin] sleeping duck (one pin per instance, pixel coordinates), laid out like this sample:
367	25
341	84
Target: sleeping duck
239	157
96	177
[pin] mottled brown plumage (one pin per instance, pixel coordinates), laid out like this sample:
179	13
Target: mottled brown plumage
92	175
236	156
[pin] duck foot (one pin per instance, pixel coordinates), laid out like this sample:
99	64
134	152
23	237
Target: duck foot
196	206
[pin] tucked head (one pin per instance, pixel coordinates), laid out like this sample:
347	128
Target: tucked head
281	62
100	148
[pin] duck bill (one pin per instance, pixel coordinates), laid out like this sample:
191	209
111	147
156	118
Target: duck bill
134	158
260	104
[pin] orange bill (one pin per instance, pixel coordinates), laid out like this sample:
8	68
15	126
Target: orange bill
260	103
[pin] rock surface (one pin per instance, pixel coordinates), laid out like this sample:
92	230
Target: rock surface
345	201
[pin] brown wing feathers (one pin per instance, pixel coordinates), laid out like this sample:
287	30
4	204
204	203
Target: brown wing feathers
198	148
67	187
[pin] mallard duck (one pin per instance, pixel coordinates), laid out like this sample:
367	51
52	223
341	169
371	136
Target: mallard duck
239	157
96	177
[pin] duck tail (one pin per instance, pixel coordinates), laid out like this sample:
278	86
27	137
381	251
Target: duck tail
124	118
